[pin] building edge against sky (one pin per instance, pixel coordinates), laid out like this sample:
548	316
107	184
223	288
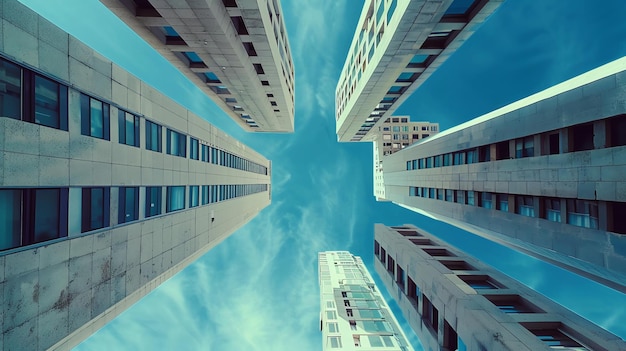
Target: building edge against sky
544	175
236	51
108	187
397	45
454	302
353	313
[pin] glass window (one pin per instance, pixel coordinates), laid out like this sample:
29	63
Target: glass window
175	198
471	156
391	9
449	195
429	162
437	161
176	143
503	202
335	342
470	198
47	102
153	136
458	158
193	149
553	209
94	117
524	147
194	195
95	208
153	201
47	218
582	213
10	218
487	200
617	127
460	196
205	153
582	136
11	92
446	159
331	315
128	204
525	206
128	126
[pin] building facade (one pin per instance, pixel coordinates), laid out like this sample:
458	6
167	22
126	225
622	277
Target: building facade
397	45
544	175
236	51
354	314
396	133
107	187
454	302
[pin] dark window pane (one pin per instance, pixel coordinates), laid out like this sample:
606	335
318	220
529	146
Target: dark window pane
129	204
583	137
11	92
46	215
95	208
96	114
10	218
46	102
131	126
153	201
175	198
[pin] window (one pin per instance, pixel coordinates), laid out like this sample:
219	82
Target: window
525	206
582	213
553	209
582	137
153	201
512	304
11	94
95	208
471	156
334	342
524	147
128	128
333	327
484	153
30	216
258	68
413	291
331	315
175	198
50	103
380	341
205	194
437	161
94	117
449	337
193	149
446	159
240	26
153	136
502	150
205	153
617	126
176	143
391	9
554	337
554	144
487	200
470	198
460	196
429	162
376	248
479	282
194	191
128	204
430	314
502	202
250	49
458	158
265	83
449	195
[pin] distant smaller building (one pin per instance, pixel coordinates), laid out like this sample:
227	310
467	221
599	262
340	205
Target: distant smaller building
396	133
454	302
354	314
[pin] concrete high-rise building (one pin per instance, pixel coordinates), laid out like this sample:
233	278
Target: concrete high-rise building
396	133
544	175
454	302
107	187
236	51
397	45
354	314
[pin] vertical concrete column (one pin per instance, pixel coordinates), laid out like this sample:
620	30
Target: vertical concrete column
603	215
563	211
538	206
512	149
599	134
538	146
493	152
565	139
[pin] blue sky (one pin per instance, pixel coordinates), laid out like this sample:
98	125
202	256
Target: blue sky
258	289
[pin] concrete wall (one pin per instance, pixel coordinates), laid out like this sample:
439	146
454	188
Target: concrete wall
478	322
59	292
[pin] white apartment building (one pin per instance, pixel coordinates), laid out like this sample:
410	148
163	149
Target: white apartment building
107	187
544	175
236	51
354	314
455	302
396	133
397	45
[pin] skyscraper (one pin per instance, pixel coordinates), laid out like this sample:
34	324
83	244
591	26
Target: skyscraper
236	51
454	302
397	45
544	175
107	187
354	314
393	135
